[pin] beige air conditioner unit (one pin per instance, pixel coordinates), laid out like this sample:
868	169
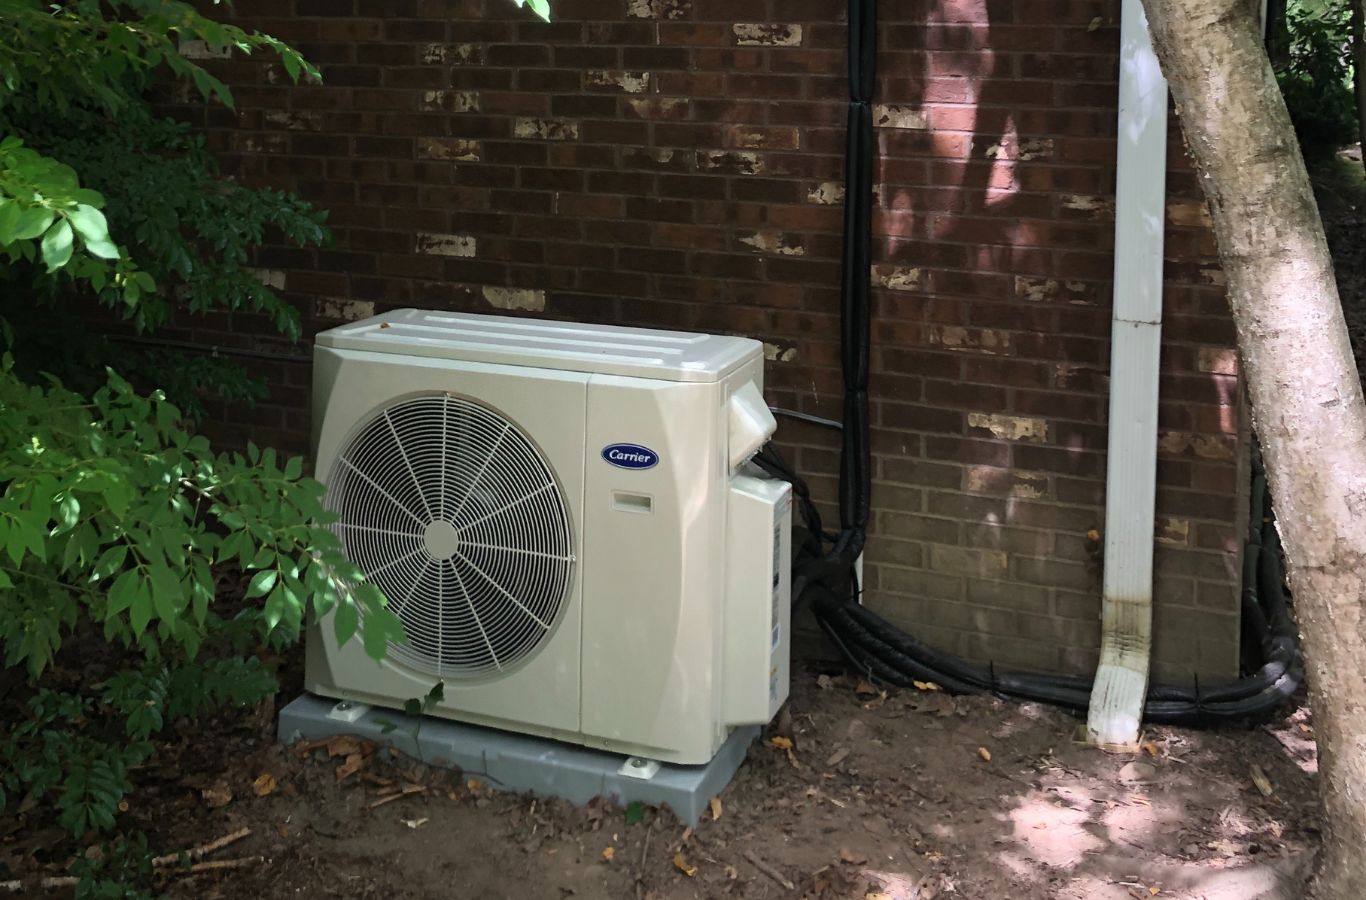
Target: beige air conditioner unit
564	520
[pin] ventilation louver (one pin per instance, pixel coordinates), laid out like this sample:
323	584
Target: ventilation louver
455	515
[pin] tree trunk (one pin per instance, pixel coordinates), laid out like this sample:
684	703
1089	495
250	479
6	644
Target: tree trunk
1305	390
1359	70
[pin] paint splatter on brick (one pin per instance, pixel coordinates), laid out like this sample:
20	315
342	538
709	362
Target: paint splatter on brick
980	340
1173	531
754	138
626	82
271	278
761	34
1035	148
659	9
827	193
345	310
770	240
202	50
659	107
1010	428
1005	482
448	148
735	162
515	298
451	101
889	116
446	244
897	278
294	120
776	353
1205	446
1088	203
546	129
1052	290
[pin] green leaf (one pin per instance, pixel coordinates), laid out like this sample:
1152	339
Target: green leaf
276	607
123	592
378	629
262	582
32	222
110	561
540	8
91	225
57	245
635	811
165	593
68	512
345	621
9	221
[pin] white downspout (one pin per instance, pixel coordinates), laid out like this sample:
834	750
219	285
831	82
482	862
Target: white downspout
1135	348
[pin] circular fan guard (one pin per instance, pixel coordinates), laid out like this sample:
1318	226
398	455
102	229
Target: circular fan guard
453	513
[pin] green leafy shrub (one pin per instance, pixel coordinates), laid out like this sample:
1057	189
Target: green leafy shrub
112	522
115	520
1316	74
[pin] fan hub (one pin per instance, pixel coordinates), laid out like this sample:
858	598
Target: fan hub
441	540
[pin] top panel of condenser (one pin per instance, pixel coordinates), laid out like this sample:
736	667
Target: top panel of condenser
599	349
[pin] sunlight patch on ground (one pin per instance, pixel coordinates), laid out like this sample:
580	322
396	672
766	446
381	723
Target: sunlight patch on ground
1052	834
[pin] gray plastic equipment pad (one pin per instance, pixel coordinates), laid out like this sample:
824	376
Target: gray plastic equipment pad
521	763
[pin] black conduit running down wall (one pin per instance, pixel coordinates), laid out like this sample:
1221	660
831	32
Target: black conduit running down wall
824	563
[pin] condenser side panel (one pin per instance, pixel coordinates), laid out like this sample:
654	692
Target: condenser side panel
654	517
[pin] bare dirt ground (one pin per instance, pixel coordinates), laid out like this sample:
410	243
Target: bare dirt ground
907	795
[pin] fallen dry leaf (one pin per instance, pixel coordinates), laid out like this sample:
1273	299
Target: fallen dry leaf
926	686
608	853
715	808
824	682
1261	781
1151	749
217	795
866	688
681	865
780	742
264	785
837	757
343	745
416	823
353	764
984	753
732	873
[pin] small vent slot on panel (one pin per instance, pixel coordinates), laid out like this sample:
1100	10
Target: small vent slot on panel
636	503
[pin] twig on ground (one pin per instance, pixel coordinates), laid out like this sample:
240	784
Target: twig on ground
215	865
202	850
52	882
768	870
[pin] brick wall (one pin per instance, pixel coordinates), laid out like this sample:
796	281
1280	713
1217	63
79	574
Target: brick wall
678	163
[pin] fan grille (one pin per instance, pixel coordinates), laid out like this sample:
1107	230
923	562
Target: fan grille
456	516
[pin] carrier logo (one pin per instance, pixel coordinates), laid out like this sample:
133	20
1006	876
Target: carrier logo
630	456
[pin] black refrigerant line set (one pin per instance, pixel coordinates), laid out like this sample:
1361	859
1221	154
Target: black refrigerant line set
823	562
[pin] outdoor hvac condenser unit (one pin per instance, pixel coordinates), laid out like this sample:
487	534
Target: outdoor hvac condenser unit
564	519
